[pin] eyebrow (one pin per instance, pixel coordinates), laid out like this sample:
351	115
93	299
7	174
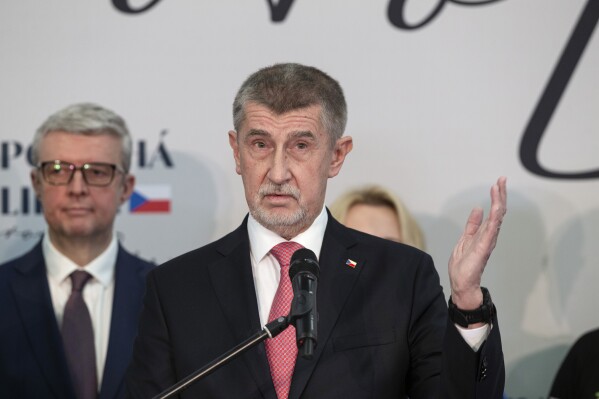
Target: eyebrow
302	134
293	135
258	132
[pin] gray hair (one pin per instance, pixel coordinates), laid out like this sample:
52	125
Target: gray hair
86	119
287	87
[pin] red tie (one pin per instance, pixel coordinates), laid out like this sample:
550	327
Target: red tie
281	351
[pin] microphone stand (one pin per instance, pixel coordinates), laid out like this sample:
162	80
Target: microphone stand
270	330
301	305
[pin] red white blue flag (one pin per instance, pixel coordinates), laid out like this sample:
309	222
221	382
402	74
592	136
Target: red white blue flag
150	199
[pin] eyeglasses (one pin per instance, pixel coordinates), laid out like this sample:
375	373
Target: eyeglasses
60	173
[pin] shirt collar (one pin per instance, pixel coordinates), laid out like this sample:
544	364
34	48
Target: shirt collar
263	240
60	267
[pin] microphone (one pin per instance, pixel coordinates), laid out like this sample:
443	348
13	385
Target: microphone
303	271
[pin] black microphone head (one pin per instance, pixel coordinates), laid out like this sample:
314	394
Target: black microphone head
303	260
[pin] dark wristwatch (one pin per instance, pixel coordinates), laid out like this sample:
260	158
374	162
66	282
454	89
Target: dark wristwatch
484	314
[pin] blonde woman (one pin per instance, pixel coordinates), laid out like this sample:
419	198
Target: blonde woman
377	211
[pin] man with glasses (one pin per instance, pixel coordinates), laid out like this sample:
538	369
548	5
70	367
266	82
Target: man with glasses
70	305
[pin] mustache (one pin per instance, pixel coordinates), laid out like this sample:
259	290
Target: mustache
278	189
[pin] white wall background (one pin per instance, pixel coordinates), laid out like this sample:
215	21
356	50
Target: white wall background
437	114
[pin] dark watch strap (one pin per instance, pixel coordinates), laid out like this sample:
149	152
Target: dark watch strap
483	314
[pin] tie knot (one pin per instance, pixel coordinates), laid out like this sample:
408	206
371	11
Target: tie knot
284	250
78	279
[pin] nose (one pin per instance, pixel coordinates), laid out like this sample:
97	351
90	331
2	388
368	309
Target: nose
279	171
77	185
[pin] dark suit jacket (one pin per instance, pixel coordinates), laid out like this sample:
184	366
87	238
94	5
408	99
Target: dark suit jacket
32	361
381	327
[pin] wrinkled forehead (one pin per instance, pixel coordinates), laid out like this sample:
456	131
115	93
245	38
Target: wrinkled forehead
259	119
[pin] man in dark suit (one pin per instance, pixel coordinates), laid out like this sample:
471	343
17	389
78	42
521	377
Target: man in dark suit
383	325
70	306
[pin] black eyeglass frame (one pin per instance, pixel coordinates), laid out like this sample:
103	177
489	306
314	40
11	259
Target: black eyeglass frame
83	168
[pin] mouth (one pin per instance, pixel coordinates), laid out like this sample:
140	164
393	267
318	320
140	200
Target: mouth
77	211
278	198
278	195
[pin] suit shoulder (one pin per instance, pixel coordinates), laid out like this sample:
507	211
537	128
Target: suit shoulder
387	247
204	256
24	259
393	259
129	258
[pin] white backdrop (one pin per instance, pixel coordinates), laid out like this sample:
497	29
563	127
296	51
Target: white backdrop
437	114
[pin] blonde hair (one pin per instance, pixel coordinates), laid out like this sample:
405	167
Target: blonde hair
411	232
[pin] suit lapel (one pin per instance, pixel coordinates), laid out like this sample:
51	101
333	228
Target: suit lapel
128	292
234	286
335	283
32	296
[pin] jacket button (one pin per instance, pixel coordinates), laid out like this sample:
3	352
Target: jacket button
483	371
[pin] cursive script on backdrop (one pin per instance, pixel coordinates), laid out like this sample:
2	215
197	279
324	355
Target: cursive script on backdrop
531	139
548	101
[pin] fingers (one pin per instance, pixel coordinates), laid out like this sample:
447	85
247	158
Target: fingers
499	193
502	183
470	256
491	226
474	221
498	203
498	210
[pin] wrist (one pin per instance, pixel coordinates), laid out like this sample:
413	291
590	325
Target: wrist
467	299
470	318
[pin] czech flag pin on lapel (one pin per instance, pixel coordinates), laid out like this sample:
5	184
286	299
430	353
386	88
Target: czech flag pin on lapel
351	263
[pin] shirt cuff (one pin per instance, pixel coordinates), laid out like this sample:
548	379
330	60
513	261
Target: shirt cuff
476	336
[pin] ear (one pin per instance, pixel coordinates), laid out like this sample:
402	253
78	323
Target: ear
235	147
128	184
343	147
36	182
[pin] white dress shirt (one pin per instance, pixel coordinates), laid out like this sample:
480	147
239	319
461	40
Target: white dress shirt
267	271
98	292
266	268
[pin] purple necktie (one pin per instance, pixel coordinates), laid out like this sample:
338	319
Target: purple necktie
78	340
281	351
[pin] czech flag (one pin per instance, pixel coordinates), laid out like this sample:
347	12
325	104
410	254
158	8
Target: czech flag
150	199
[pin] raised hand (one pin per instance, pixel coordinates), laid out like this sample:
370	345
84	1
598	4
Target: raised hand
470	255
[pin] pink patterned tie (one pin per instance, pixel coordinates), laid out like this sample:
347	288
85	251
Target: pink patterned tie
281	351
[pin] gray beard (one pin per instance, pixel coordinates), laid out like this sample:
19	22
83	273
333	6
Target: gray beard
287	226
